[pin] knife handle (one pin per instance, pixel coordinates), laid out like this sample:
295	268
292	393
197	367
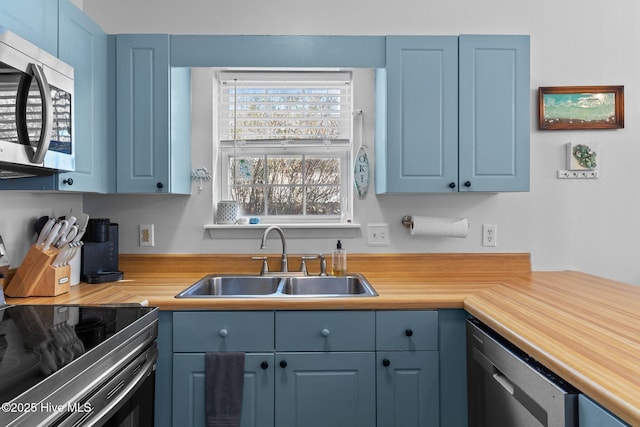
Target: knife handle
45	231
51	236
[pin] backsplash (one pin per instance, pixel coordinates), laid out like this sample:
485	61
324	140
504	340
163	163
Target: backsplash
19	211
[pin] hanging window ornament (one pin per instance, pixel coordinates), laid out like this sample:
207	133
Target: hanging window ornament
361	170
244	171
361	173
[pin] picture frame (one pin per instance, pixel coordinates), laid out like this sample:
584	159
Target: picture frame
580	107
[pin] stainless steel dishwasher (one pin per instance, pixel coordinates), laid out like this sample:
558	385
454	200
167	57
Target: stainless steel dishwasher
507	388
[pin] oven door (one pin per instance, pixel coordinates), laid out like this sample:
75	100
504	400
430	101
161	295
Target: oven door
126	399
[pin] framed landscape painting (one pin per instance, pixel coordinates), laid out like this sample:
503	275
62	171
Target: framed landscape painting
581	107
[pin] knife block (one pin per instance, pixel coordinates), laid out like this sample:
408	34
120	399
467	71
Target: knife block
37	277
54	281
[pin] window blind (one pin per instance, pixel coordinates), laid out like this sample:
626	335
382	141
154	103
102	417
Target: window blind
309	107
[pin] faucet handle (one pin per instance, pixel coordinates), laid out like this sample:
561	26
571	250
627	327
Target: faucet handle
303	264
265	265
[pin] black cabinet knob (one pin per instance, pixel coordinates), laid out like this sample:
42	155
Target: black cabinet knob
452	185
386	362
467	184
408	332
264	364
68	181
283	364
160	185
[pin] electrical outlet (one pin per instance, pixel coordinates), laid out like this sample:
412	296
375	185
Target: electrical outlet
489	235
146	235
378	235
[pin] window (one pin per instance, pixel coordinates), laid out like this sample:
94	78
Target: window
285	144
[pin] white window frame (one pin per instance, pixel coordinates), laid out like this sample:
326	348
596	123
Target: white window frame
341	148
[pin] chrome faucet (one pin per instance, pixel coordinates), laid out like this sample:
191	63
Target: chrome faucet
284	265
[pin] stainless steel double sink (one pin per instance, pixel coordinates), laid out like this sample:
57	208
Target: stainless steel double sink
239	286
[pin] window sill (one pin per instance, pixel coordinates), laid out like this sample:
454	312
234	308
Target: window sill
293	231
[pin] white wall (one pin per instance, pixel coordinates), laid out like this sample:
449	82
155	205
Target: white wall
18	213
584	225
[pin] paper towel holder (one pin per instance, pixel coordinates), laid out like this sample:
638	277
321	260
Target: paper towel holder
407	221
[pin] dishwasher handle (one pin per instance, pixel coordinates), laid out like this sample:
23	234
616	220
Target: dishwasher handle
503	381
491	369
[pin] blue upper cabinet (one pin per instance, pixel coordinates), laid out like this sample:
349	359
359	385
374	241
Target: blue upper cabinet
149	160
35	20
453	115
83	45
494	113
418	151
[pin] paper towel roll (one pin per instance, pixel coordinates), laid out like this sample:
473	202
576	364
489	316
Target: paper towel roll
442	227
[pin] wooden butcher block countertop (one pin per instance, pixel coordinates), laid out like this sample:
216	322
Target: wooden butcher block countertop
407	281
584	328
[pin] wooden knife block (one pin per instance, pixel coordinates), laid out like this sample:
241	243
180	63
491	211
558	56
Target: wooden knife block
37	277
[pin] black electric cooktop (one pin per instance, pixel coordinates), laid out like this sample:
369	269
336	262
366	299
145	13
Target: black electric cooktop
37	341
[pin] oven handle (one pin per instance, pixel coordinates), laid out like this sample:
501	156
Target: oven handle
118	393
35	151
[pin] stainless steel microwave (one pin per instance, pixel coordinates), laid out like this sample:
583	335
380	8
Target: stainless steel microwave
36	110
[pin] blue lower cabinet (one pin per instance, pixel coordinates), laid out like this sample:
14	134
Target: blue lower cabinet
189	388
590	414
325	389
318	368
164	370
452	349
408	387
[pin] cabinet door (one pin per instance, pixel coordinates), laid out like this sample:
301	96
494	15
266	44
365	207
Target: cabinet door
325	389
494	113
591	414
35	20
83	45
421	150
188	390
408	389
142	79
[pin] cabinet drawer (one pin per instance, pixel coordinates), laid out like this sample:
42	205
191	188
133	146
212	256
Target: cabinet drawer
325	330
198	331
407	330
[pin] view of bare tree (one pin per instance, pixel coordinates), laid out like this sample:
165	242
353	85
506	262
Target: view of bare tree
291	185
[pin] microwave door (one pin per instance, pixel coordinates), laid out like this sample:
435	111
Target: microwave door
35	145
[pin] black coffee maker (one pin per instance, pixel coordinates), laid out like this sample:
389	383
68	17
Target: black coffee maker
100	252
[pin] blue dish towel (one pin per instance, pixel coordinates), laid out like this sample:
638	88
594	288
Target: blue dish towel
224	380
